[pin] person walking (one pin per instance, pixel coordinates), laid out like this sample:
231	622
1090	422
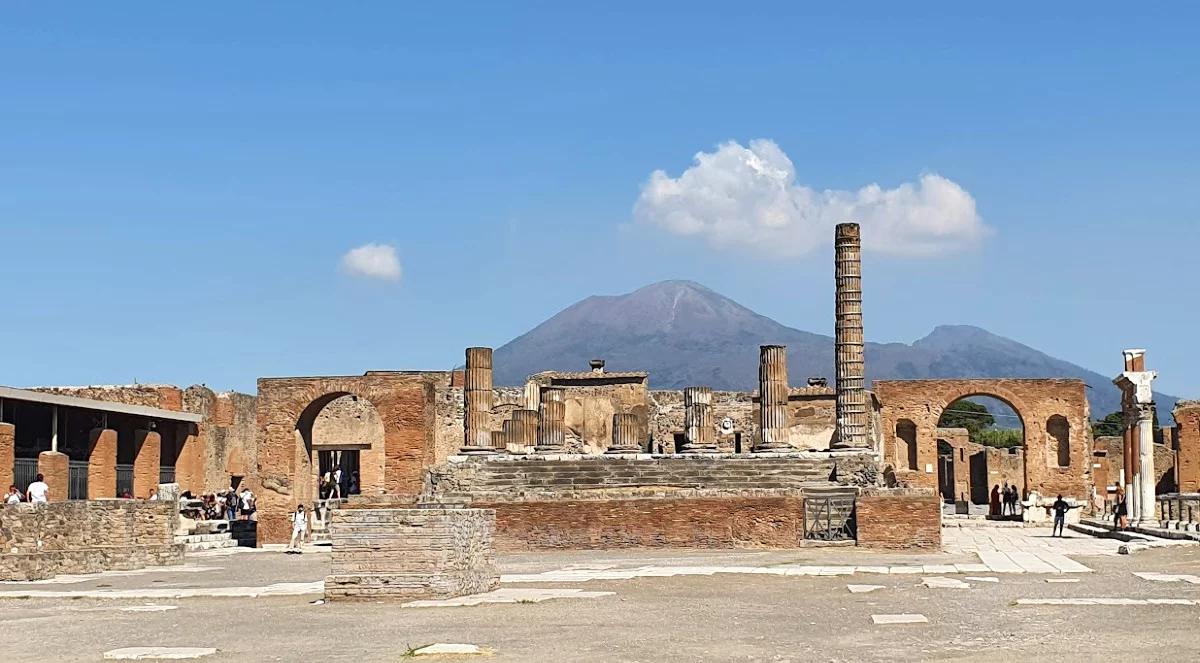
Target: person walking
38	492
1060	508
14	495
336	489
1004	498
299	529
994	504
246	502
1120	511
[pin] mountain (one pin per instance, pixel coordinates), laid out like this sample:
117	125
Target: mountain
684	334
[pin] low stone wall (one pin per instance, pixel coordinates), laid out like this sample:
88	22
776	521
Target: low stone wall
410	554
899	519
40	541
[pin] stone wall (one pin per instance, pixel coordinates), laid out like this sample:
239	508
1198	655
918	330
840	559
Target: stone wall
227	445
812	419
411	554
922	402
41	541
903	519
1114	460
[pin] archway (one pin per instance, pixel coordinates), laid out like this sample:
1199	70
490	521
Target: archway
981	446
342	437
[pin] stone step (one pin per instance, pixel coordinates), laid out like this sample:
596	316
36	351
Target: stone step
1091	528
210	545
203	538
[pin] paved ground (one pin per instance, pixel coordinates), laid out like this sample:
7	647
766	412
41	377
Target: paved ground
694	606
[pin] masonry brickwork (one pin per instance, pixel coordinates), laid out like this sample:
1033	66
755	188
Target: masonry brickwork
41	541
7	454
147	461
899	519
1187	440
55	468
102	464
922	402
1113	460
411	554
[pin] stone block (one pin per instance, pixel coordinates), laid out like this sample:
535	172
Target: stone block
409	554
102	464
55	468
147	456
902	519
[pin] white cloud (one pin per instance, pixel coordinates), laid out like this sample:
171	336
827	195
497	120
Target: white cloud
748	197
372	261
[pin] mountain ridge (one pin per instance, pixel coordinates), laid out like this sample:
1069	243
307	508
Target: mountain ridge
684	333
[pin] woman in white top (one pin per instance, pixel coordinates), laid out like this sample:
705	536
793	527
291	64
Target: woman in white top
299	527
14	495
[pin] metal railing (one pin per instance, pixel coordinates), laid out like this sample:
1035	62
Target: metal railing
125	479
24	472
77	480
166	474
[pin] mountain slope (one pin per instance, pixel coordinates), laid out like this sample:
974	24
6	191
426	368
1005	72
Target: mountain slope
684	334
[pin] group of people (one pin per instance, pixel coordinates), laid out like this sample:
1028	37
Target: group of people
38	492
1120	510
1004	500
230	504
336	484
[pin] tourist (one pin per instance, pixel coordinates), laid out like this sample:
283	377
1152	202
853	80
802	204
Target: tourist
1060	508
355	488
38	492
14	495
1120	511
231	503
337	483
326	485
994	505
246	503
1004	498
153	495
299	529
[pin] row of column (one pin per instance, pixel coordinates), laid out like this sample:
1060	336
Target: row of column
54	466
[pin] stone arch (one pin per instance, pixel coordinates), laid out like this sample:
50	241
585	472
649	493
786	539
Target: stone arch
1058	429
372	452
1008	398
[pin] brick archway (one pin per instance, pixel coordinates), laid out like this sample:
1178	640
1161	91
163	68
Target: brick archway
286	408
1035	401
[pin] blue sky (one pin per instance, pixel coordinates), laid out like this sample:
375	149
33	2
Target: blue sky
179	185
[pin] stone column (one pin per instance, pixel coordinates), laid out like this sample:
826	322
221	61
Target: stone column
772	399
55	468
552	433
1135	455
848	340
500	437
190	463
147	456
625	434
477	402
525	427
102	464
1127	471
698	432
8	454
1149	500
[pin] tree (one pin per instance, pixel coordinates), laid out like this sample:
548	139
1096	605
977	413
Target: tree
969	415
1112	425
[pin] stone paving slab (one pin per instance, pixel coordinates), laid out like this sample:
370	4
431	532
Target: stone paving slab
1108	601
277	589
899	619
506	595
158	653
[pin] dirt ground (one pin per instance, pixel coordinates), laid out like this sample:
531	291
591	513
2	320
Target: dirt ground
719	617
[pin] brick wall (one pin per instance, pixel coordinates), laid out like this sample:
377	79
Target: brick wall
1187	422
899	520
410	554
7	455
41	541
54	467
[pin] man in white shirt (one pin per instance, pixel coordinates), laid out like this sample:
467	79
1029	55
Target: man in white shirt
247	503
38	492
337	483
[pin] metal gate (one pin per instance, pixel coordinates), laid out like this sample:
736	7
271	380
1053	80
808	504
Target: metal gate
77	472
829	518
24	471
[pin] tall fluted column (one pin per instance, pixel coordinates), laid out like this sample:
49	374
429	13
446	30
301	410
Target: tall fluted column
477	402
699	434
850	368
552	433
625	438
772	399
1149	499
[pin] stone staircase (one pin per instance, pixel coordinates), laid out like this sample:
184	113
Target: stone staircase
514	477
1135	534
197	542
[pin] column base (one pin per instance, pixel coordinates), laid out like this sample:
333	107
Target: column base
479	451
549	450
613	451
773	448
688	449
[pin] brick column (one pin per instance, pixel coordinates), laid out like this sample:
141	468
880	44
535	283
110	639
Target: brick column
625	434
102	463
189	464
1187	463
8	455
699	435
772	399
147	455
55	468
477	402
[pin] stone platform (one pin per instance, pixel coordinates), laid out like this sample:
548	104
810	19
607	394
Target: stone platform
411	553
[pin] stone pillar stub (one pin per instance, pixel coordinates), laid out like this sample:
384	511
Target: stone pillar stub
552	431
8	454
773	399
525	425
102	464
500	438
477	402
625	438
699	434
55	468
147	456
849	363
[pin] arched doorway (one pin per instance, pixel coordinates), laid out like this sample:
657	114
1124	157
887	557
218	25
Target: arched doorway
981	445
342	439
